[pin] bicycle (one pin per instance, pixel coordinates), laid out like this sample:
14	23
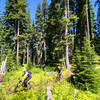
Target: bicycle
58	77
20	86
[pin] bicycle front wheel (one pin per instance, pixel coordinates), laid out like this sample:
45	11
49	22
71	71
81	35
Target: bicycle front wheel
12	89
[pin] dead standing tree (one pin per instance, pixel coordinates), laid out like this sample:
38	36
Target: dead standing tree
3	69
66	34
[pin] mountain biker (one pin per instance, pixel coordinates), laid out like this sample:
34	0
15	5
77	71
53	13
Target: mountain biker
27	77
59	70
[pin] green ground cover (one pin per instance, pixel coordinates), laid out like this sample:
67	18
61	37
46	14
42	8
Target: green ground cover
62	90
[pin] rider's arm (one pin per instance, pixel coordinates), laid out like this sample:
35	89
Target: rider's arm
25	75
22	75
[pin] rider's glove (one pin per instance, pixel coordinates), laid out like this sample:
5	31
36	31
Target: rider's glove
19	80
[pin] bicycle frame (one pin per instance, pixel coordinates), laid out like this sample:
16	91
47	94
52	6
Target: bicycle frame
18	85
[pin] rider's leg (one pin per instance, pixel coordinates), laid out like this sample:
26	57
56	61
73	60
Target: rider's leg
26	80
25	83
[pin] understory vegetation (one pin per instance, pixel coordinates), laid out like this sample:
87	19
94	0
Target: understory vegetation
62	90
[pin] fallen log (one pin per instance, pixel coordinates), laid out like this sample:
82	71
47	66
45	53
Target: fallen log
70	74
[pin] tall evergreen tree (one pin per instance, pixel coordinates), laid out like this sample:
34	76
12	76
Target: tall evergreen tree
39	28
15	12
28	34
84	56
25	38
33	44
0	39
81	24
66	33
45	17
98	17
97	29
55	32
58	35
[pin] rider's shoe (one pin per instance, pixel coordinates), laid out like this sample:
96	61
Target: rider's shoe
25	88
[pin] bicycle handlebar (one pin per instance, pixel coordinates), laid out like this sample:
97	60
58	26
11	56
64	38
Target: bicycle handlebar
19	80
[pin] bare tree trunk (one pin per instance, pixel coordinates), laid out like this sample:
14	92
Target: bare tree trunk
87	17
23	58
3	67
41	55
33	59
27	53
67	52
41	50
38	55
44	49
40	58
66	33
17	52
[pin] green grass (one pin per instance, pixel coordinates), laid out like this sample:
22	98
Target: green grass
62	90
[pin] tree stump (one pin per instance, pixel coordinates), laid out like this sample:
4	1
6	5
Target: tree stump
49	93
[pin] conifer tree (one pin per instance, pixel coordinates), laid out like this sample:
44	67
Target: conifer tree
84	56
84	68
66	33
0	38
33	44
97	32
45	17
25	38
98	17
57	40
15	12
39	27
28	34
55	32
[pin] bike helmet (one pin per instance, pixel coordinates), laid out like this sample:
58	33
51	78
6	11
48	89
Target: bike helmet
24	69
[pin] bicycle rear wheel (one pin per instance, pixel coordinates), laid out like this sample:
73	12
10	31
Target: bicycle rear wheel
58	78
12	89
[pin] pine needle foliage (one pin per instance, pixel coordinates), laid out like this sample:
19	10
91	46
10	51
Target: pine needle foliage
86	74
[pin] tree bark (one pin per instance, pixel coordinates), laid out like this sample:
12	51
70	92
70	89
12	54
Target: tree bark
33	59
41	50
17	53
44	49
66	33
89	20
23	58
27	53
87	17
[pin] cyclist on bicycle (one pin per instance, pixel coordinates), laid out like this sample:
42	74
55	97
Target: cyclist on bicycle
27	77
59	70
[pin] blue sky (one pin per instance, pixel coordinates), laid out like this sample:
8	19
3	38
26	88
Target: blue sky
33	5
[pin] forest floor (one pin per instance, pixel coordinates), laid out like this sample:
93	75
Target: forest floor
62	90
